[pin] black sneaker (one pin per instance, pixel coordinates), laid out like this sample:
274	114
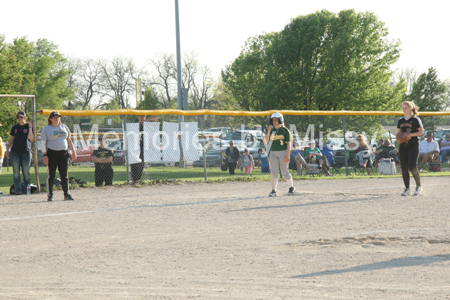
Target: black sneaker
291	190
273	193
68	197
50	198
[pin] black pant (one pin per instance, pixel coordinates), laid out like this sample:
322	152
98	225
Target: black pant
409	157
60	160
231	168
136	171
104	174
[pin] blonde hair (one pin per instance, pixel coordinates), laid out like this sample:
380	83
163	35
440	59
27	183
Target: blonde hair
363	140
414	108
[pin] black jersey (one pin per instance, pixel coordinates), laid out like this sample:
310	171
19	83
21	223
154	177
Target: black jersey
102	153
410	125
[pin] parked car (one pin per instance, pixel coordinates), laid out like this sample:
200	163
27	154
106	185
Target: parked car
84	150
440	135
241	138
118	152
223	130
214	157
116	130
257	133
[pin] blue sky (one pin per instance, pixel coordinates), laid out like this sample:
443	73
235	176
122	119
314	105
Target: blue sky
216	30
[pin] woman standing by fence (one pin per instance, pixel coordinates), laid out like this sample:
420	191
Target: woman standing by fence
55	141
20	145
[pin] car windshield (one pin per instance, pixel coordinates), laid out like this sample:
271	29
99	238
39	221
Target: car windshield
235	135
442	133
116	145
258	144
213	151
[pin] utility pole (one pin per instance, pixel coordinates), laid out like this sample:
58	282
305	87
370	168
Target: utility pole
180	95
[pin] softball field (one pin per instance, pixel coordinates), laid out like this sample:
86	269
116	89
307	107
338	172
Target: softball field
333	239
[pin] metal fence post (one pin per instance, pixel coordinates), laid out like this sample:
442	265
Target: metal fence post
203	149
345	148
125	143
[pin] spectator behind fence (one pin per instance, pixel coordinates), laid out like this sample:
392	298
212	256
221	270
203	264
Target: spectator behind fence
246	162
20	145
429	148
103	157
445	148
55	144
363	153
387	150
2	153
297	157
232	154
138	168
314	156
263	161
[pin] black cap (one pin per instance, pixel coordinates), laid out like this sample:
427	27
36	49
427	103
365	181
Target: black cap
21	113
54	114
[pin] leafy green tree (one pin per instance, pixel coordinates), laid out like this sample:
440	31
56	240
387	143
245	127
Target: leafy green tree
320	61
150	101
33	69
51	76
428	93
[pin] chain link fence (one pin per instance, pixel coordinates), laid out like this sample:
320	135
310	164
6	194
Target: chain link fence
193	148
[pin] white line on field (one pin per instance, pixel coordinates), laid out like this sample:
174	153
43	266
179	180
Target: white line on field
387	187
192	203
131	207
400	230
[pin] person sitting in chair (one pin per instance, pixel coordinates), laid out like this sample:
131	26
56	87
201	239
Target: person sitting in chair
387	150
297	157
445	148
363	153
429	148
314	156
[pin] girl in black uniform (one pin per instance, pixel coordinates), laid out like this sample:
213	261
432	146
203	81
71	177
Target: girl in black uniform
409	151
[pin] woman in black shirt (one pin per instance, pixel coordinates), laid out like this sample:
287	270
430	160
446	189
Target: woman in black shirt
20	145
409	151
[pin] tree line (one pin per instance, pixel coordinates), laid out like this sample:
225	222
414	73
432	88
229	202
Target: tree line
320	61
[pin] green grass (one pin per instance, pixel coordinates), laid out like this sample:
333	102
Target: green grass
171	175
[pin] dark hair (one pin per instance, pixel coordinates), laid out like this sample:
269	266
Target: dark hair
260	149
49	121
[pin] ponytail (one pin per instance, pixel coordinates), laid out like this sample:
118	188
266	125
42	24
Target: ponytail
414	108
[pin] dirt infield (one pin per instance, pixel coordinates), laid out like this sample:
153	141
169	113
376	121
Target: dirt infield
334	239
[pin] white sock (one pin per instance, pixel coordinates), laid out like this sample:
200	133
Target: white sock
274	180
290	182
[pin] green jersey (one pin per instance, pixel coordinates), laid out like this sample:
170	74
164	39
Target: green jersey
308	151
280	138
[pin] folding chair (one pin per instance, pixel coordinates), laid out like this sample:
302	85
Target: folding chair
433	164
337	165
358	169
